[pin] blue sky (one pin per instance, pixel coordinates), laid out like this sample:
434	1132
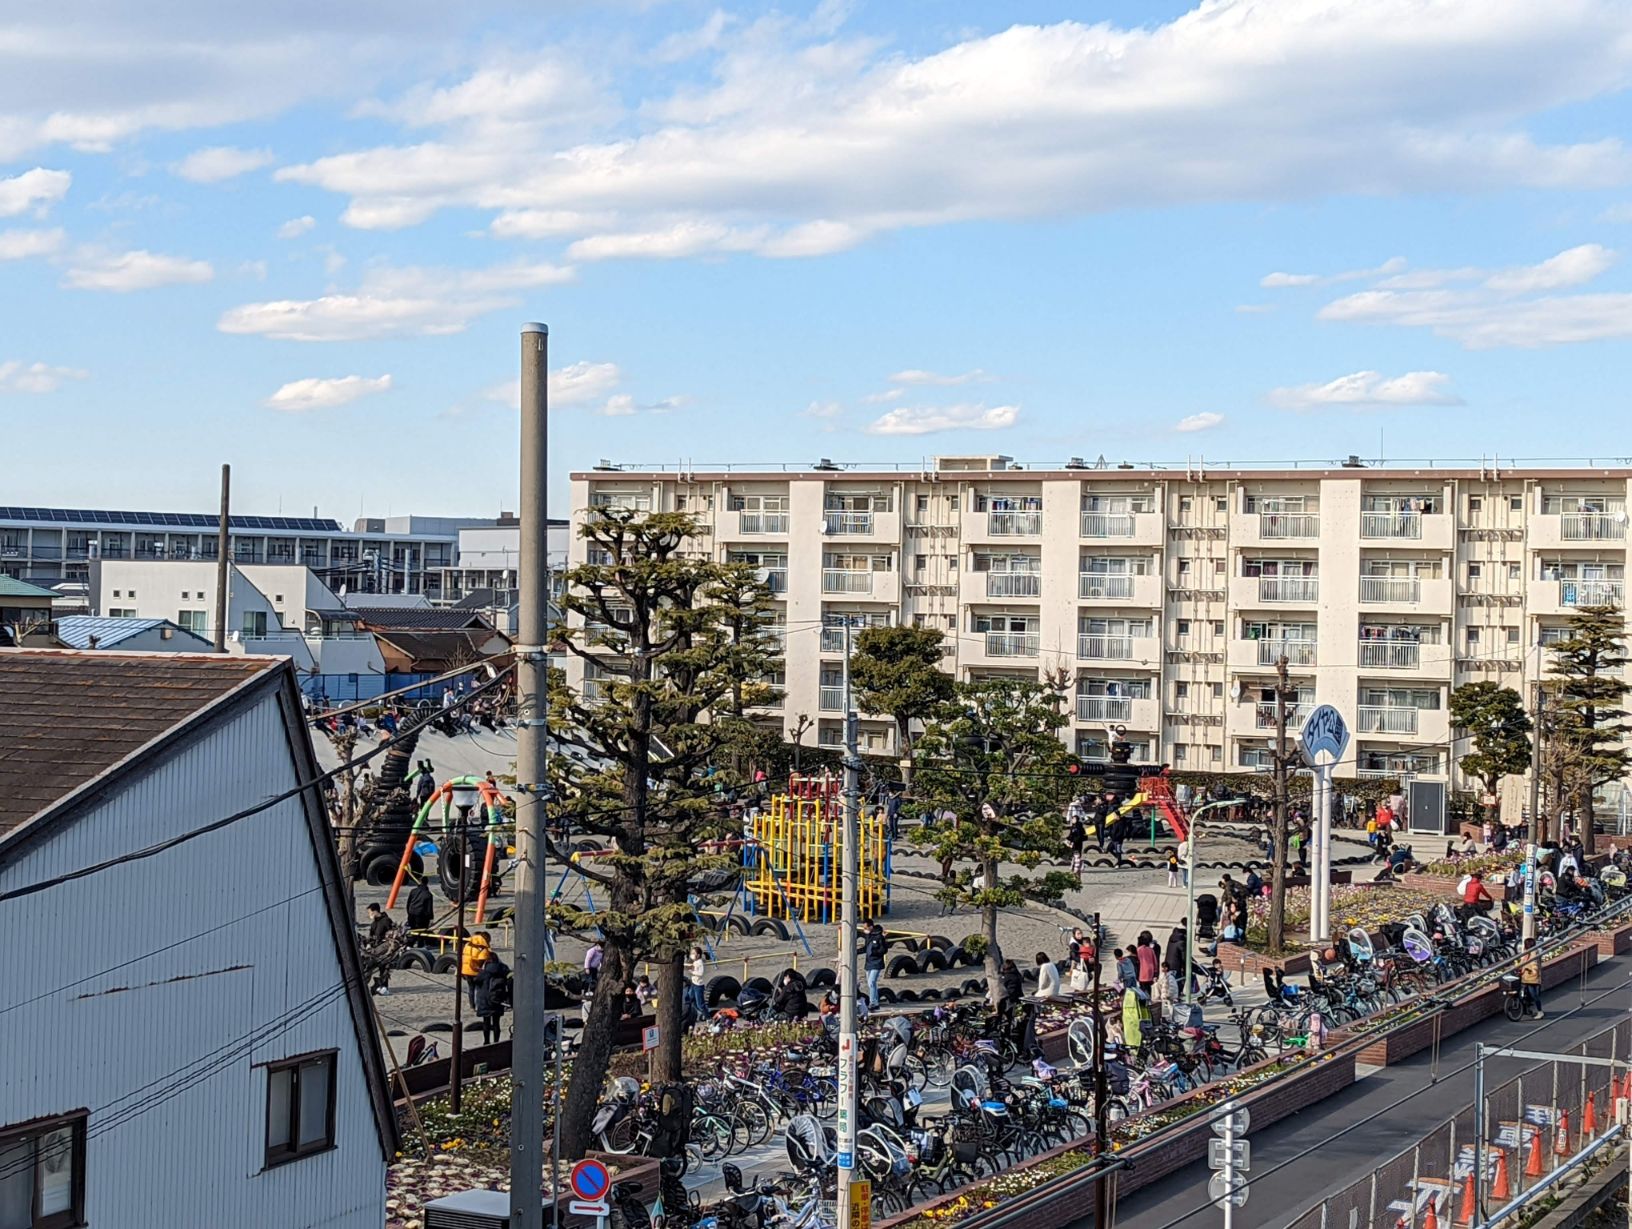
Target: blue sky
301	237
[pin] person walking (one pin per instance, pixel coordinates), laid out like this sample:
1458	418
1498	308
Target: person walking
1076	838
592	964
696	1000
380	927
1147	960
1530	981
1048	977
490	996
1013	988
873	950
1182	857
1178	942
421	906
1127	969
478	950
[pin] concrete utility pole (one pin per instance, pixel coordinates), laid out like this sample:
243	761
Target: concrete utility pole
221	564
849	875
1102	1120
1278	841
1535	768
532	748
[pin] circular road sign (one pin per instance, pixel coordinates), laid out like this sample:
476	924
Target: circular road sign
590	1181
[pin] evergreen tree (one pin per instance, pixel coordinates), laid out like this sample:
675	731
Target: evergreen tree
673	637
896	671
992	756
1494	720
1590	696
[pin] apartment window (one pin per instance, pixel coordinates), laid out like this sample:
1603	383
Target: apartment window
254	623
951	622
116	593
952	502
917	620
192	621
1217	690
299	1107
1515	570
1215	754
1513	635
122	613
1184	567
1476	503
1181	628
1184	505
923	503
920	562
1473	637
1515	503
1218	625
1181	753
42	1174
1474	571
1181	691
277	599
1221	503
1218	567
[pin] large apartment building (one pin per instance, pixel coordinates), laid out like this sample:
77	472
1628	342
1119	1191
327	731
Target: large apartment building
1166	597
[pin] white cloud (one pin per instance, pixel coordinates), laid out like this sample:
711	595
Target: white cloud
395	302
33	191
1204	421
294	228
823	409
926	419
913	378
20	377
221	162
1283	281
1572	267
586	384
303	396
21	244
139	270
884	395
1369	389
803	141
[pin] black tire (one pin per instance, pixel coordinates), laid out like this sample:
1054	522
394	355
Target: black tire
822	977
415	958
1513	1008
935	959
761	984
974	986
931	995
955	957
900	966
380	869
907	996
448	865
941	943
769	926
443	964
921	959
886	995
721	988
737	924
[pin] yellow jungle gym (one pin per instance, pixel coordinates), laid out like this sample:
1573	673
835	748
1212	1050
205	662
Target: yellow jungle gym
794	862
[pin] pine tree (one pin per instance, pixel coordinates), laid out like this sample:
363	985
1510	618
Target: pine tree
1494	720
896	671
1591	696
992	756
675	638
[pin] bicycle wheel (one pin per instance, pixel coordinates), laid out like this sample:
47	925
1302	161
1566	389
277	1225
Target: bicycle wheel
713	1136
755	1119
916	1072
938	1068
619	1137
823	1098
922	1189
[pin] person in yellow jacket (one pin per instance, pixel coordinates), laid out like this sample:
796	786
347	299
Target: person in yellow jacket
1530	981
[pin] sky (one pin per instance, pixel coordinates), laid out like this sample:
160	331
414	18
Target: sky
301	237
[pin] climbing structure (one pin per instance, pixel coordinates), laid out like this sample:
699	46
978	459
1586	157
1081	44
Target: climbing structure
793	863
1158	791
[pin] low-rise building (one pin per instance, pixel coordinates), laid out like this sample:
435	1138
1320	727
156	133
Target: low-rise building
129	635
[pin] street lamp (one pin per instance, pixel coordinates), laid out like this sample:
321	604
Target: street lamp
1190	890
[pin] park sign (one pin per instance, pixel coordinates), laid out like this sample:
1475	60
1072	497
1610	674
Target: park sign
1323	730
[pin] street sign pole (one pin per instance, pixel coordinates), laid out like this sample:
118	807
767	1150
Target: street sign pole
1231	1157
1322	739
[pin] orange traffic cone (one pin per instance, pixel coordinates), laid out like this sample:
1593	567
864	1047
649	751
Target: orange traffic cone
1466	1214
1561	1134
1532	1163
1431	1221
1502	1188
1589	1116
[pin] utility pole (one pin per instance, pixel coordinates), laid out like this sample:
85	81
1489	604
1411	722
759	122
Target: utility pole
1535	768
1102	1121
532	749
847	955
456	1056
1278	841
221	564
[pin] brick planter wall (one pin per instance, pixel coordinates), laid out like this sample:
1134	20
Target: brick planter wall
1614	942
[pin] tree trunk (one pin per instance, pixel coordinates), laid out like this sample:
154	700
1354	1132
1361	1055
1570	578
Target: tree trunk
1585	821
594	1055
994	951
667	1062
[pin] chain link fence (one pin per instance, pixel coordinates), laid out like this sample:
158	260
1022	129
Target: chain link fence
1532	1124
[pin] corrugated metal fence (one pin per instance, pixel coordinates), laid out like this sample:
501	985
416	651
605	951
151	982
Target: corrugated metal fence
1533	1123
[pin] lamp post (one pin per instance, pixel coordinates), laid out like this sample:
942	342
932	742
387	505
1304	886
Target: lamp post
1190	890
465	797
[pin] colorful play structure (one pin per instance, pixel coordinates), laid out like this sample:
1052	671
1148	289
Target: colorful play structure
793	861
487	823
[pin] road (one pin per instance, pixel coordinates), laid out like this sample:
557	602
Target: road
1303	1158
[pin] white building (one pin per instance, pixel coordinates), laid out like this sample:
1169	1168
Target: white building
186	1036
1166	596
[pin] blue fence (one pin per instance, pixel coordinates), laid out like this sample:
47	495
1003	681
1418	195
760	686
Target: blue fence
349	688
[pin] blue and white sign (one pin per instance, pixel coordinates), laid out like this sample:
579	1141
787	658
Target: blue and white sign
1323	730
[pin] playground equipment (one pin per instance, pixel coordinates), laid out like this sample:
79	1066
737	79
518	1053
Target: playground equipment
455	831
792	864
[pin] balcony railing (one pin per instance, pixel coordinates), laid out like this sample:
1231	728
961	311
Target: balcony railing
1593	526
776	579
1288	588
1011	644
1013	524
848	522
1107	524
1288	525
1105	585
1263	715
1591	592
770	522
1390	589
1112	648
1104	708
1013	584
842	581
1375	720
1390	654
832	699
1391	524
1296	652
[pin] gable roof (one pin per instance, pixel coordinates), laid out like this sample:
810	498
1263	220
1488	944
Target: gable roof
76	632
10	586
430	619
481	599
436	652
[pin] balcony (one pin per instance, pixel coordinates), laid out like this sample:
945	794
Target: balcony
1014	524
754	523
1263	715
1108	524
1014	584
1396	525
848	523
1575	593
1105	648
832	699
1278	526
1304	589
1592	526
1111	586
1011	644
1374	720
1397	590
1296	652
1118	709
846	581
1390	655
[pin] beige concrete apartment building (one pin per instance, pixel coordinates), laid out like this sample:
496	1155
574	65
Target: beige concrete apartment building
1166	596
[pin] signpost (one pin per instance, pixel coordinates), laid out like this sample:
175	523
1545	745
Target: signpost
861	1205
1231	1156
1322	739
591	1185
650	1036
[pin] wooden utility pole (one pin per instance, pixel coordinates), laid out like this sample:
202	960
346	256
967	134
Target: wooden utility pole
1283	764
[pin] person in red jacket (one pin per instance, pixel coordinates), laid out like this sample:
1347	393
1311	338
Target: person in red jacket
1475	895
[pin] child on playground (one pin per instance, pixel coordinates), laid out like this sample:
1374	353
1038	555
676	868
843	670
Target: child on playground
1172	868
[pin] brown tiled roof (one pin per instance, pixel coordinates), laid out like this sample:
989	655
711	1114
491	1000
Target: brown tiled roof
68	717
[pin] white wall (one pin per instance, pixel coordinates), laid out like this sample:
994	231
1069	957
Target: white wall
134	979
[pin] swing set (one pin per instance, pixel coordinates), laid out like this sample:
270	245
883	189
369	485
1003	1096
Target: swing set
490	807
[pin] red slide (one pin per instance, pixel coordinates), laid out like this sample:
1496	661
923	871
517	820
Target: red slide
1160	791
